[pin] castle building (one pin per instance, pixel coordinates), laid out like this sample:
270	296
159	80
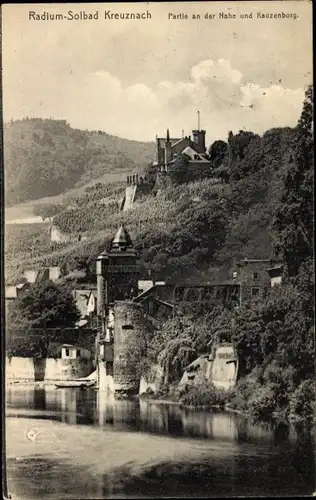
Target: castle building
167	150
127	314
117	280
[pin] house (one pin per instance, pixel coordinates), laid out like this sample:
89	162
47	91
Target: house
69	351
14	291
258	275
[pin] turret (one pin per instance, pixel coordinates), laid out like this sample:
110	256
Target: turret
168	149
117	276
199	140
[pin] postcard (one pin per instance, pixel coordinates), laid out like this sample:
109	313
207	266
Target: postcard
158	249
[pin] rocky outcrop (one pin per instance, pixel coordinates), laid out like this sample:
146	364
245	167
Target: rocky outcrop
218	369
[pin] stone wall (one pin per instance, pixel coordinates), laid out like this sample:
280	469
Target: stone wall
130	329
32	369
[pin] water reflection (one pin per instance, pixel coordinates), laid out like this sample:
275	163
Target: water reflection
91	407
199	453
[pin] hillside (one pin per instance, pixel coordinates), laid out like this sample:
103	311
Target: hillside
255	202
188	232
47	157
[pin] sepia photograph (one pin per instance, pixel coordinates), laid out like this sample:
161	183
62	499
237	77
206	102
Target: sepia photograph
158	325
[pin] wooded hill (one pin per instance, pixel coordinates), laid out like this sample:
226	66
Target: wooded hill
190	231
193	230
48	157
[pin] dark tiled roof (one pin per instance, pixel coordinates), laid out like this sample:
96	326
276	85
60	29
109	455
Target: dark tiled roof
122	238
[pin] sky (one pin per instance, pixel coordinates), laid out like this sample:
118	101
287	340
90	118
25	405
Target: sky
136	78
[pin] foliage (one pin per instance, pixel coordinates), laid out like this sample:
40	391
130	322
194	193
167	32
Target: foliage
49	157
38	312
47	211
178	172
205	395
183	338
261	403
293	222
280	327
302	404
217	152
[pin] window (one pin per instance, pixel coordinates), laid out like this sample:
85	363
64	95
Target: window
255	275
255	291
66	352
78	353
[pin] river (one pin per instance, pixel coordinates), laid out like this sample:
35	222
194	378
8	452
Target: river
72	443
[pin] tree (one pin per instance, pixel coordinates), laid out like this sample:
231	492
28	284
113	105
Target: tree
217	152
293	222
179	170
280	328
34	317
46	211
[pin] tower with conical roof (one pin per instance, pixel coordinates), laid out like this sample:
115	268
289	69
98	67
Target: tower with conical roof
117	277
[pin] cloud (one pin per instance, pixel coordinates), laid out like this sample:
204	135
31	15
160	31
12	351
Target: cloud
220	70
222	94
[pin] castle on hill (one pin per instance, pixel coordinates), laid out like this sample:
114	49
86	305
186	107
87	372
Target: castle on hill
168	149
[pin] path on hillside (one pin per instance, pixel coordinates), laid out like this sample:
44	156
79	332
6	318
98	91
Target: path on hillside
129	197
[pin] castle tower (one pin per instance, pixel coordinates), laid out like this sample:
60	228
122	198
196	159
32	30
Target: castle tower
117	277
199	141
199	138
117	280
130	328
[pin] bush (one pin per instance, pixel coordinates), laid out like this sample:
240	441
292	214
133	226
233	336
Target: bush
242	393
205	395
262	404
302	404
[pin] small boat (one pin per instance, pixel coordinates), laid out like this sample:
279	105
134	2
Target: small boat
74	383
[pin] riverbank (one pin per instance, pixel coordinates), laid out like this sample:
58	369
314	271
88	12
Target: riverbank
230	404
226	407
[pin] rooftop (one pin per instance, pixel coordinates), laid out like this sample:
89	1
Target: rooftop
122	238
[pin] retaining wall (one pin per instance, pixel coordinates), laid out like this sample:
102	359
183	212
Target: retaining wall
32	369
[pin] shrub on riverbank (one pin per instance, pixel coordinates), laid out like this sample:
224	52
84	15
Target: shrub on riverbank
272	395
205	395
302	405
